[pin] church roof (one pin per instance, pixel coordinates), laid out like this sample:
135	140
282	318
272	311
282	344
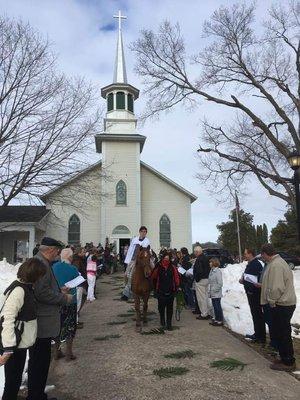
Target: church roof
168	180
22	213
143	164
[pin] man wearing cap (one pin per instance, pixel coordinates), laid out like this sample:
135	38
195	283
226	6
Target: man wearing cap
49	299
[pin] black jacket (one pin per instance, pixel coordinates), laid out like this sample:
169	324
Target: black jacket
201	268
255	268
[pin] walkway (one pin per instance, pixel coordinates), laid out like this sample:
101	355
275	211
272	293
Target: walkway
122	368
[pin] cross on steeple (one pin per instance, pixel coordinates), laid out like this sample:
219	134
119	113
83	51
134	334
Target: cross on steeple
120	17
120	68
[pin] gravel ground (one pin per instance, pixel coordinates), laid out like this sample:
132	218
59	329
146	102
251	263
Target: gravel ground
122	368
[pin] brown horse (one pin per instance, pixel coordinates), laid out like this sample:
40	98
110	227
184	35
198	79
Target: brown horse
141	285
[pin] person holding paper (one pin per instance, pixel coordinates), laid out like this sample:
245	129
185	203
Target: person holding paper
249	279
64	272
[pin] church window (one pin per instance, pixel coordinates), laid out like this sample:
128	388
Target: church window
121	230
120	101
74	230
165	231
121	193
110	102
130	102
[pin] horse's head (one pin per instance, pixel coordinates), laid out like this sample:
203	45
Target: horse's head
143	260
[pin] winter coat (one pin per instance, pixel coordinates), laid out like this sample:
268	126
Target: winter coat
278	284
201	268
166	281
255	268
49	301
18	318
215	281
64	273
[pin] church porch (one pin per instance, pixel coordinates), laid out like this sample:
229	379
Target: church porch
21	227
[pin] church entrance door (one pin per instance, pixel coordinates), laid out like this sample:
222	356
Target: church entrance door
122	244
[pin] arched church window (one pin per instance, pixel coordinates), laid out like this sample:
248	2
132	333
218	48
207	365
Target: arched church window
74	230
121	193
165	231
130	102
121	230
120	101
110	102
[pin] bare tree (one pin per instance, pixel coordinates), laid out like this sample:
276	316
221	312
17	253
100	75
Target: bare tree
47	121
252	72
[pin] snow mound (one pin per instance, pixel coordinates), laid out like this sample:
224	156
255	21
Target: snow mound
8	274
235	304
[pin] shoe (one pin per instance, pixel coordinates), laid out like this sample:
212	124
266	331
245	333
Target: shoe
124	298
279	366
169	328
216	323
200	317
251	337
71	358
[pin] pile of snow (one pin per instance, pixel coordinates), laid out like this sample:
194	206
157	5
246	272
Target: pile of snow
235	304
8	274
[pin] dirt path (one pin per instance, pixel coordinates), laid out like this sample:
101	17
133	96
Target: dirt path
122	368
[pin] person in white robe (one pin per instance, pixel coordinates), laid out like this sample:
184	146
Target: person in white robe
136	242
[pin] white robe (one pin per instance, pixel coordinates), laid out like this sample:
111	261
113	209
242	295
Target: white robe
145	243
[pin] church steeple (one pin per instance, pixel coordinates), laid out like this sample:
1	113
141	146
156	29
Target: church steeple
120	75
120	95
120	122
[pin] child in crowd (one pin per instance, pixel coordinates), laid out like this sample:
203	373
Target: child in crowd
91	271
215	291
18	325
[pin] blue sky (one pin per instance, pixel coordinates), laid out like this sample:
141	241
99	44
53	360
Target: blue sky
82	33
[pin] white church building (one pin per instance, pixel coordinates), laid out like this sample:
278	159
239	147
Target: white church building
115	196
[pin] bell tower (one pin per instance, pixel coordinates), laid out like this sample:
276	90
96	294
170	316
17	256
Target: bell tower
120	147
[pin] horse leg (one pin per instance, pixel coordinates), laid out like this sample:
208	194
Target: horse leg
145	307
137	302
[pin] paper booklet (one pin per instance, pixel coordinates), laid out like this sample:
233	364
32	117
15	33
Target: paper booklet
250	278
75	282
190	272
181	270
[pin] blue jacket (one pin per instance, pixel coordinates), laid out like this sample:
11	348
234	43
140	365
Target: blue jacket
64	273
255	268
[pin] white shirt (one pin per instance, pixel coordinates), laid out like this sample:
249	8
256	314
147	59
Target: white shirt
135	241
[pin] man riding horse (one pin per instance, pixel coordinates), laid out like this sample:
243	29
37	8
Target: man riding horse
139	241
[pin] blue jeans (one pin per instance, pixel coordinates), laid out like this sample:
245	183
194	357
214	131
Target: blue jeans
217	309
188	295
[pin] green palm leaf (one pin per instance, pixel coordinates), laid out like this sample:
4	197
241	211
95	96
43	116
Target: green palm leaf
169	372
228	364
155	331
181	354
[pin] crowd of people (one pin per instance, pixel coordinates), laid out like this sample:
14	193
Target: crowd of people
42	307
268	282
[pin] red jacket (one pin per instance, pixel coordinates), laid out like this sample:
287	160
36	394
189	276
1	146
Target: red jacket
156	277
